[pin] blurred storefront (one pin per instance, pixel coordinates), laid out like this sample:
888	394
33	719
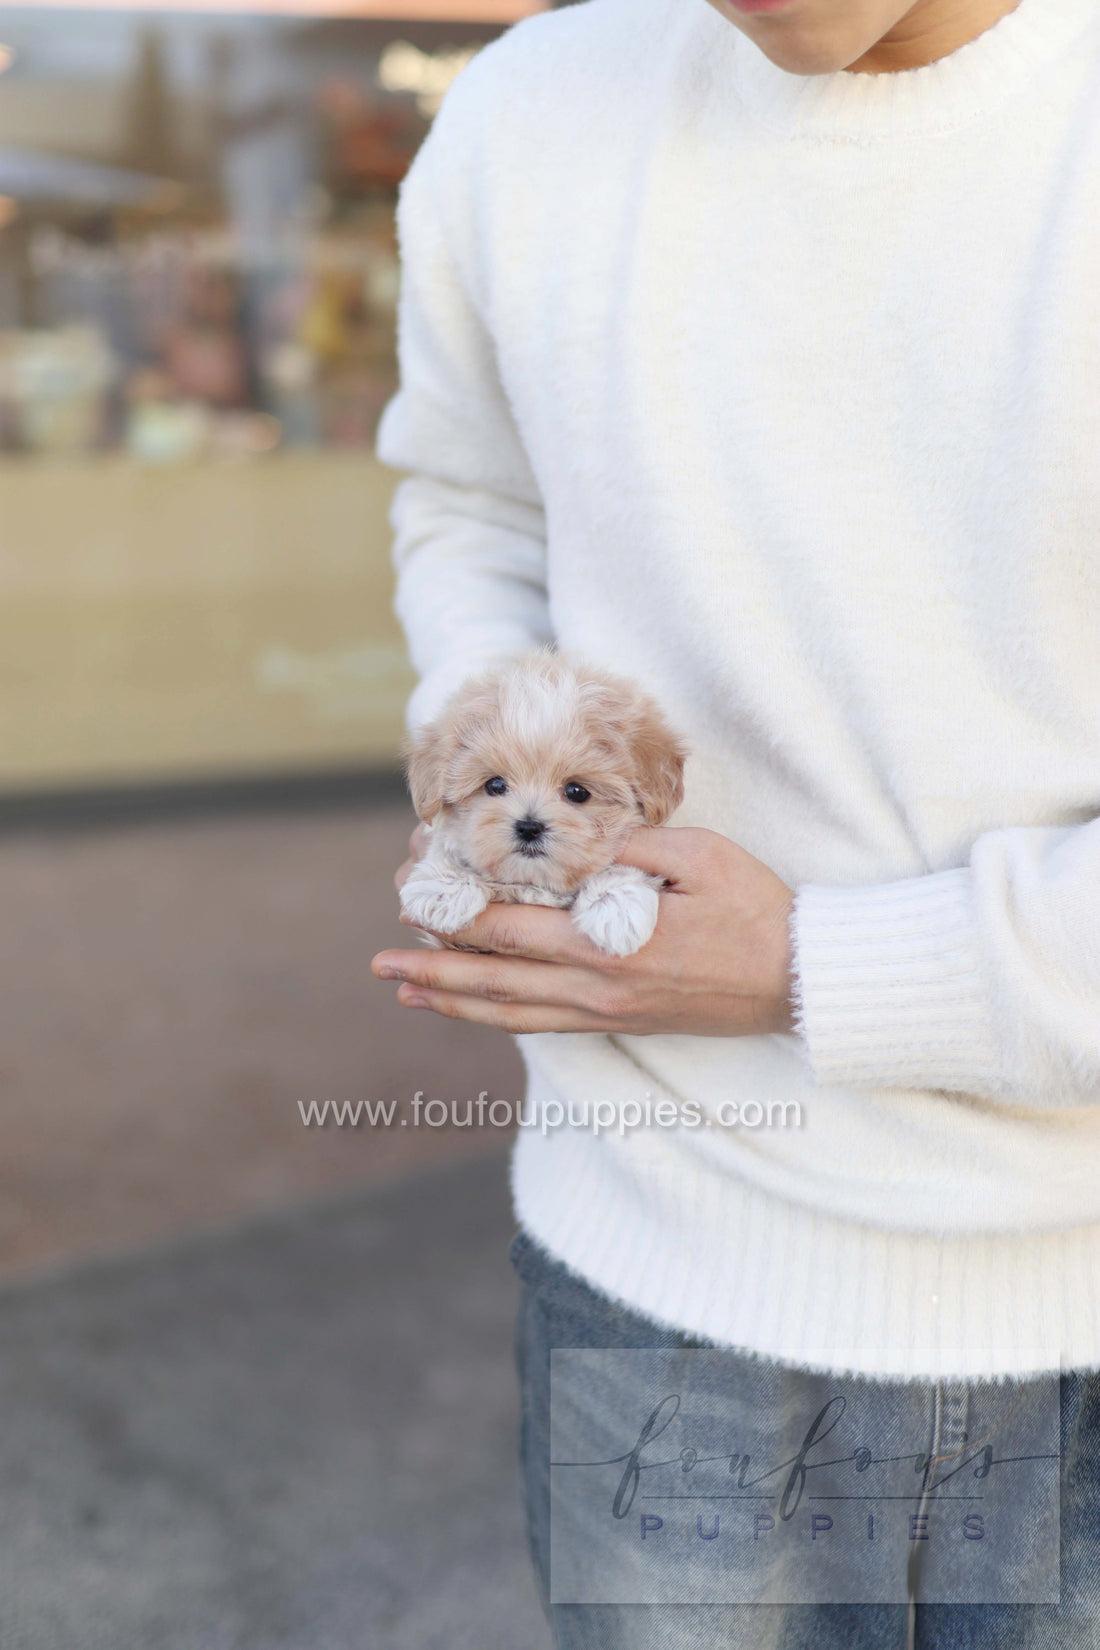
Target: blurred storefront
198	278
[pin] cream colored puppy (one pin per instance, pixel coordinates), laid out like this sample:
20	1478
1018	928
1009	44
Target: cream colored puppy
531	780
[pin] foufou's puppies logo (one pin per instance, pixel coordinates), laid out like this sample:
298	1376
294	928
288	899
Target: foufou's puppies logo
531	779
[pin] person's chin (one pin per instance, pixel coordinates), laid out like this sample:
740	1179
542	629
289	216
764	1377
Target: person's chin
789	42
806	57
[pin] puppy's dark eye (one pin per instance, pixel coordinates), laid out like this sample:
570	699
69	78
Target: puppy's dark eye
496	786
576	793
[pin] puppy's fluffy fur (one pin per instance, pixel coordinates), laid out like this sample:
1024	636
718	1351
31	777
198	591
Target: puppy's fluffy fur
531	779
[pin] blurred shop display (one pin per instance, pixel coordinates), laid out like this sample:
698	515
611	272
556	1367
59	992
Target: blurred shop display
198	285
197	250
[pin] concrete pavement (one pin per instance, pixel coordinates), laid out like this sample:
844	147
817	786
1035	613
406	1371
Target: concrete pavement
300	1436
256	1387
170	992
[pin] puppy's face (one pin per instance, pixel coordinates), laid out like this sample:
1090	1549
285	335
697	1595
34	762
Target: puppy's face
537	774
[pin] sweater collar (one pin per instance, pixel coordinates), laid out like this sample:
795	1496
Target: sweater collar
863	108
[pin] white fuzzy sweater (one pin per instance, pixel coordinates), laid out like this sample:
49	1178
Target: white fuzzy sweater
782	395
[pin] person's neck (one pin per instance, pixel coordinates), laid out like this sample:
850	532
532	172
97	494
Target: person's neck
931	30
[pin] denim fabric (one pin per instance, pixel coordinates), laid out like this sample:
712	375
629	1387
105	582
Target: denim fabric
559	1310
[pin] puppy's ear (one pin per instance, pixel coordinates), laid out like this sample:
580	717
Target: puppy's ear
427	759
659	758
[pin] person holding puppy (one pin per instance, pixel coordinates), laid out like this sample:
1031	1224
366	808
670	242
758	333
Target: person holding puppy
750	352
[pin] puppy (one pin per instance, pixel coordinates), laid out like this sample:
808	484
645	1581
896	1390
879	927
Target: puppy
530	781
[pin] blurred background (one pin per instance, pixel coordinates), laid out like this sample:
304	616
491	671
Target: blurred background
255	1374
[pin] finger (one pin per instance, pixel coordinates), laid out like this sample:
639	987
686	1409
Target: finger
536	931
518	1018
672	852
501	979
418	841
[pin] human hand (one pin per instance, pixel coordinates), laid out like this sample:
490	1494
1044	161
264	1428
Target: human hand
418	847
718	965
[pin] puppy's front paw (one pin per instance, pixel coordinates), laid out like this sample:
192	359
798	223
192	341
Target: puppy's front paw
442	899
617	909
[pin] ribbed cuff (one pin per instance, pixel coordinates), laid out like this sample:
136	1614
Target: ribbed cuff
888	987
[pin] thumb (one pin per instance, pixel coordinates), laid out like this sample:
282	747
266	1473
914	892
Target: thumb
663	851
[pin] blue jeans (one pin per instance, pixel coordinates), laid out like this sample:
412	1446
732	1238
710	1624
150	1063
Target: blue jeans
557	1309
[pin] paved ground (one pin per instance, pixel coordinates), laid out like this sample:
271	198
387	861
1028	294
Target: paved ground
255	1379
299	1437
168	995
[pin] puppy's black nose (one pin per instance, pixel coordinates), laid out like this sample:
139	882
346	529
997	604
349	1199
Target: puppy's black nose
529	830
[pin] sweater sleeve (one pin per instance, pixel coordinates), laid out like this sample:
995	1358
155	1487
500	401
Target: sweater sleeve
982	980
469	524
